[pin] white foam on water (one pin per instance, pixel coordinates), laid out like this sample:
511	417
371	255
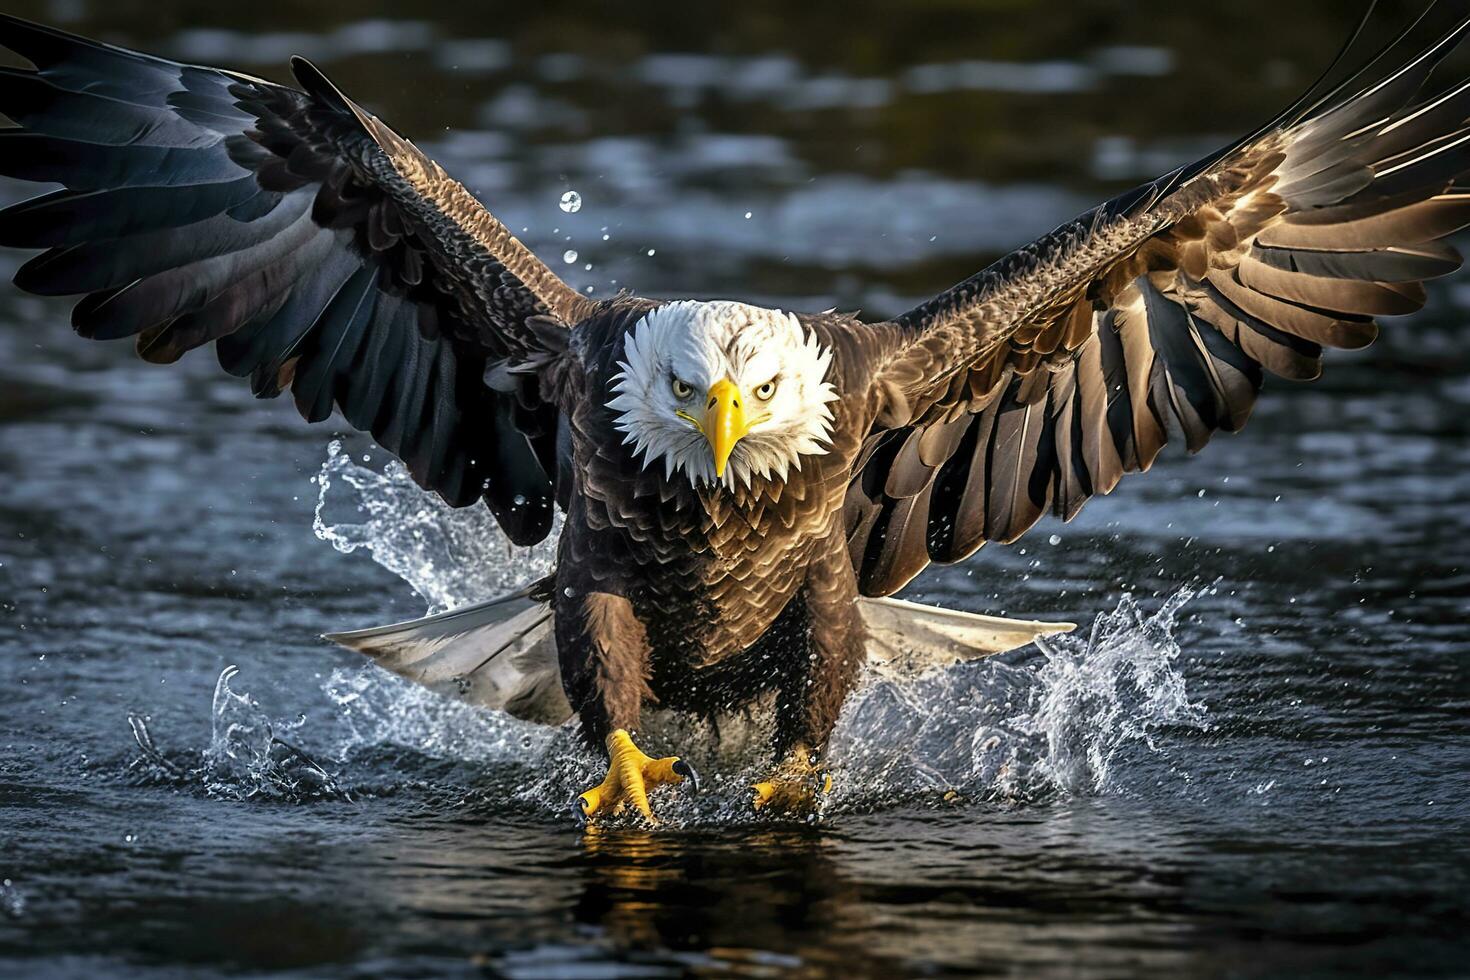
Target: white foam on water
1020	728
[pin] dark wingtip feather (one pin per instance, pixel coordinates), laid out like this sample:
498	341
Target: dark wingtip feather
317	85
34	42
45	46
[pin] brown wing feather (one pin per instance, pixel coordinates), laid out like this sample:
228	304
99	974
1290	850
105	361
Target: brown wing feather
1039	382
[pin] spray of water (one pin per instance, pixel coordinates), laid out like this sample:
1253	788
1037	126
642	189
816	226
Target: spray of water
448	557
1120	686
248	756
1052	724
377	708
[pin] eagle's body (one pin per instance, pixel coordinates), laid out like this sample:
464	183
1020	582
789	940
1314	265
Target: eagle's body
738	483
738	553
708	571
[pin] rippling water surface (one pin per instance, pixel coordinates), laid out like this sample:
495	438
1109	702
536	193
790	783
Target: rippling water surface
1252	760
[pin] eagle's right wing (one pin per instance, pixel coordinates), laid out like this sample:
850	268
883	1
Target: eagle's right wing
321	252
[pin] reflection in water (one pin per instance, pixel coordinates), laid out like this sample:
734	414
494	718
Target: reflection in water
710	898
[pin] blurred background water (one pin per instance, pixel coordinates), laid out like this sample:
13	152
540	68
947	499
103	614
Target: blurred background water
1268	778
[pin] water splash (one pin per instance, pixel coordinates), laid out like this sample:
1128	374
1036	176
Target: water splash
1120	686
247	757
1001	731
240	747
378	708
1013	730
449	557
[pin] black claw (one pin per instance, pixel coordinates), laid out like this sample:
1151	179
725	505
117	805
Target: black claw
579	810
687	771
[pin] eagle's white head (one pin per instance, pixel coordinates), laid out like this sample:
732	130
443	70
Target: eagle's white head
723	392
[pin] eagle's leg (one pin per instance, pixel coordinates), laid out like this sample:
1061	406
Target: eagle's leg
603	650
822	674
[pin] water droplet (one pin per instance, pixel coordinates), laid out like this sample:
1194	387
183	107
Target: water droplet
747	215
569	256
519	500
571	202
569	592
650	252
1055	539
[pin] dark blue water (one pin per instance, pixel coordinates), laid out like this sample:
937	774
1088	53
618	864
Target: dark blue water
1257	765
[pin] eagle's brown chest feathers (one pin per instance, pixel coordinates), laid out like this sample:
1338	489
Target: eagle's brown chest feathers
707	570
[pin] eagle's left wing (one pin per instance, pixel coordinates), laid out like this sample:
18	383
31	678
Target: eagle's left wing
1040	381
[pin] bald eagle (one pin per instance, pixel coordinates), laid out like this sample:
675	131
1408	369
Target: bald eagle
740	485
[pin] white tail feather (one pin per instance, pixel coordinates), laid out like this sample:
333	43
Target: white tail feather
908	639
501	654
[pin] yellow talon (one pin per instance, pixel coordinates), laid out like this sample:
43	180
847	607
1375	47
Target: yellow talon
794	787
630	775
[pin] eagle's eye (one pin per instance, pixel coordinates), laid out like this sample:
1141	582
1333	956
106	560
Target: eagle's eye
682	389
765	391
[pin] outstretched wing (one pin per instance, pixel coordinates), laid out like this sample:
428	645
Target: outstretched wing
320	252
1040	381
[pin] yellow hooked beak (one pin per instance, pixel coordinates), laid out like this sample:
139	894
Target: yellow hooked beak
724	422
